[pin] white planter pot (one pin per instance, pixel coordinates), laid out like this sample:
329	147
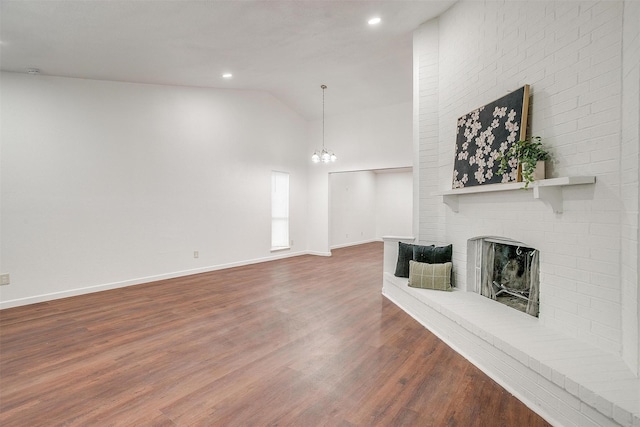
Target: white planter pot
538	174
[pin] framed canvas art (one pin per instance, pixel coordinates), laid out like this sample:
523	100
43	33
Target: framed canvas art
484	134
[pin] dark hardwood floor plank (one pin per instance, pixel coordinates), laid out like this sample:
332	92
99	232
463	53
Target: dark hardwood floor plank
302	341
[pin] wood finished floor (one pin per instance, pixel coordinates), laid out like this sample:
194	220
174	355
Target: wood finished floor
305	341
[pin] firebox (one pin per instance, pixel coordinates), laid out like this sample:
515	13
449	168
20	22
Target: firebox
508	271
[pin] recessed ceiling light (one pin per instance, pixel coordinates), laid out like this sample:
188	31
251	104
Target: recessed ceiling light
374	21
227	75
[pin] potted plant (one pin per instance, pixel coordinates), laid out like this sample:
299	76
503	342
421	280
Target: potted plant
530	155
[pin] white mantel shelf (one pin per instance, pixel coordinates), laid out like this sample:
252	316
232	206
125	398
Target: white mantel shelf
547	190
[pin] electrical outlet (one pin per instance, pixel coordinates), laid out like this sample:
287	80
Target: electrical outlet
5	279
291	244
196	254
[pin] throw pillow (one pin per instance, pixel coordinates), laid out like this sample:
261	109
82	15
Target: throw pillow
430	276
432	254
405	254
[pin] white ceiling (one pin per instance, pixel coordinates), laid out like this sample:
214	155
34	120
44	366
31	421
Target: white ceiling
288	48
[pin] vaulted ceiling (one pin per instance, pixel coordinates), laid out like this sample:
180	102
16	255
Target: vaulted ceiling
287	48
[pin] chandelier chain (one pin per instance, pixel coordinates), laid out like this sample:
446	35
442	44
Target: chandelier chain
323	88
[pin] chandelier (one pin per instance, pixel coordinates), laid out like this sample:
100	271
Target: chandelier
324	156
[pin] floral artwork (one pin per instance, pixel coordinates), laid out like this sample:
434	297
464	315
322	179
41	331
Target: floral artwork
484	134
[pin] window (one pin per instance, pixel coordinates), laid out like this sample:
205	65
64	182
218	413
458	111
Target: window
279	210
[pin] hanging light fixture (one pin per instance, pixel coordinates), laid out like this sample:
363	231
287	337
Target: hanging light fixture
324	156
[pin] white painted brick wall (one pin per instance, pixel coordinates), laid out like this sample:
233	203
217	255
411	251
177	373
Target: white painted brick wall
571	55
426	54
629	181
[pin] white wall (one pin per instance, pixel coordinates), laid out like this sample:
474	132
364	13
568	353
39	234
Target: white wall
371	139
367	205
352	203
571	54
106	184
394	203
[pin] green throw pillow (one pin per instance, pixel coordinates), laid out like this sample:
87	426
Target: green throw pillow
430	276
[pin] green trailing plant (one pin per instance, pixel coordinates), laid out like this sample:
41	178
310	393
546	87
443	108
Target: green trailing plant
527	152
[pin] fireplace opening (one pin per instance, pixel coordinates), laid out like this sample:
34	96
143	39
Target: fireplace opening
508	272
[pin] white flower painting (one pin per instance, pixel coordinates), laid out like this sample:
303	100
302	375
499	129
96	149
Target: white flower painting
485	134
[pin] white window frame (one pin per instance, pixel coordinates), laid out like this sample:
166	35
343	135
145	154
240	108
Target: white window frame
279	210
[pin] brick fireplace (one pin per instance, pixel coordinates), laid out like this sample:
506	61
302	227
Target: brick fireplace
578	362
588	241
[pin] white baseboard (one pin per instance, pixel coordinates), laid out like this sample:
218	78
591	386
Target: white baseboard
140	280
362	242
316	253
